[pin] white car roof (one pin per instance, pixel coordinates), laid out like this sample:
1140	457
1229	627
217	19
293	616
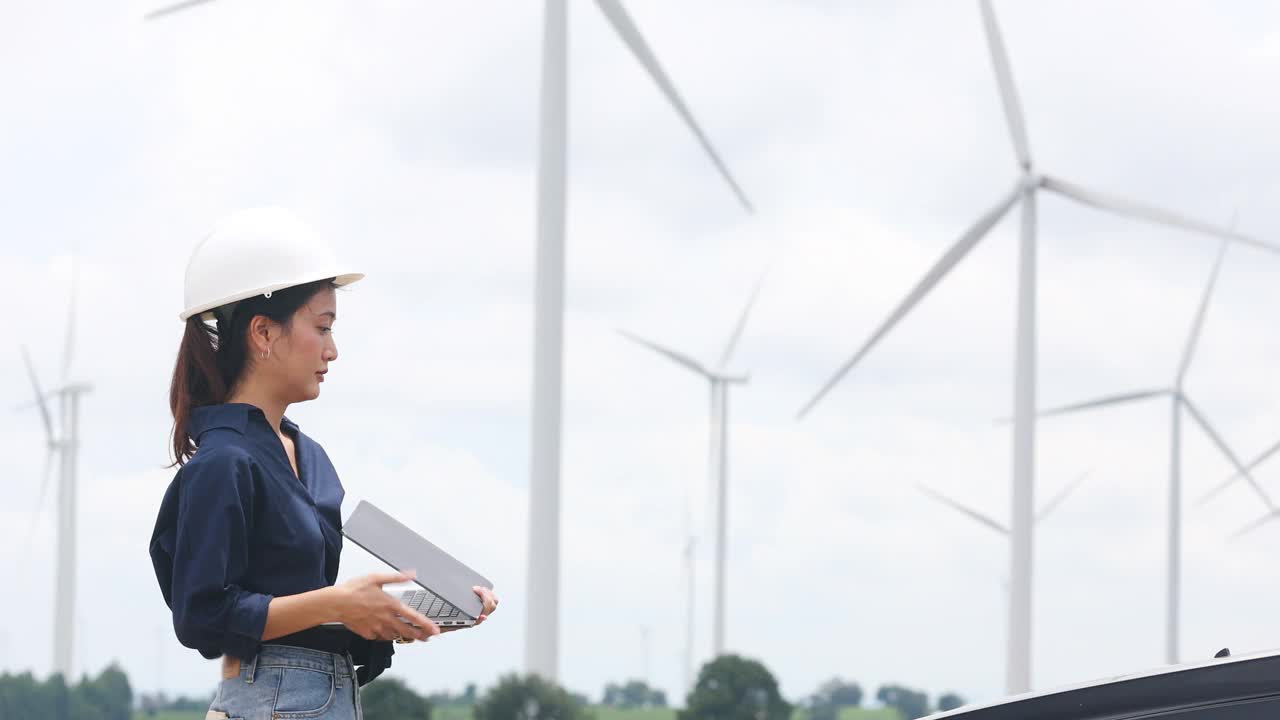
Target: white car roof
1163	670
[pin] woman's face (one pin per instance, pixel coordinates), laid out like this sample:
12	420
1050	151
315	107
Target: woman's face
300	357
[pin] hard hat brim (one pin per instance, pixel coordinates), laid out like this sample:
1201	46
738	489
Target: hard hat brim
206	309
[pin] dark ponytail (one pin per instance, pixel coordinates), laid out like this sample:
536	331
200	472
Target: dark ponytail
212	358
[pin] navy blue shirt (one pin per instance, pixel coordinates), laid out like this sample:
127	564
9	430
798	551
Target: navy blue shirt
237	527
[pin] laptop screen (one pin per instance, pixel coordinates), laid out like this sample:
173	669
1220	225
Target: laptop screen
403	549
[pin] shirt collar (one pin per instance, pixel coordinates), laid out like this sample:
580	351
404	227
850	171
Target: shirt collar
234	416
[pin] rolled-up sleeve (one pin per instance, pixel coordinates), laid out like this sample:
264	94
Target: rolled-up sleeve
212	612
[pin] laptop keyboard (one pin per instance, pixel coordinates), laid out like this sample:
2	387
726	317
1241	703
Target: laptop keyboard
430	604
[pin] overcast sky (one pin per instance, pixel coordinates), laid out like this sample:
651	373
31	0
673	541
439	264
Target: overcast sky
869	135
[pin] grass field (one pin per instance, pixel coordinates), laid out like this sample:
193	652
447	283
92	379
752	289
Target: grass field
869	714
452	712
857	714
608	713
601	713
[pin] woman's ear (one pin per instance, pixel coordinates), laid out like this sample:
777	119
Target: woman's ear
260	332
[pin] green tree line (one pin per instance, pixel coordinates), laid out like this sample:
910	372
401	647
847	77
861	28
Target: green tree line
105	697
727	688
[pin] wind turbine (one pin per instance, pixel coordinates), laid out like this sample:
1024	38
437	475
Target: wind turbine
719	379
63	443
543	595
542	634
1180	401
1028	183
992	524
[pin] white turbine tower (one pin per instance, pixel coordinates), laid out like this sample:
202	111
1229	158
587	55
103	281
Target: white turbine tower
542	628
1179	402
64	443
718	379
1029	182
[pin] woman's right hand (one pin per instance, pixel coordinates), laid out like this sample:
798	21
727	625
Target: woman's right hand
365	608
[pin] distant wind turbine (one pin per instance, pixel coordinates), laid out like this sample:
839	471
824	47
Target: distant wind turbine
719	380
1180	401
992	524
64	445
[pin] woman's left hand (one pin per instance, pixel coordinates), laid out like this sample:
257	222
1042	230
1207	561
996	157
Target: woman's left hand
490	604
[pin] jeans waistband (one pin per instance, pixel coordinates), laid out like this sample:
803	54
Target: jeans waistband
274	655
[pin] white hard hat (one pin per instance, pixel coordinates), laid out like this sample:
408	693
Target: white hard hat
256	252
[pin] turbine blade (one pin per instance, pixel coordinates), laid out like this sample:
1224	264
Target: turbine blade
1062	495
1254	525
44	407
1008	91
1222	447
630	34
1104	401
46	474
1150	213
174	8
676	357
1253	464
949	260
742	320
971	513
1264	456
1198	324
1217	490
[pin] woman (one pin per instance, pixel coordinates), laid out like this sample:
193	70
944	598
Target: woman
247	542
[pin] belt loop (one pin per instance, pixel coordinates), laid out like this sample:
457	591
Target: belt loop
253	665
337	669
355	689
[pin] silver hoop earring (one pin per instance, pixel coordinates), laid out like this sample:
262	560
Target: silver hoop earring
266	353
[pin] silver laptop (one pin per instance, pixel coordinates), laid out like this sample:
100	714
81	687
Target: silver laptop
446	597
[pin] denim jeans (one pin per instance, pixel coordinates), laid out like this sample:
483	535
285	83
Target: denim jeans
290	683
